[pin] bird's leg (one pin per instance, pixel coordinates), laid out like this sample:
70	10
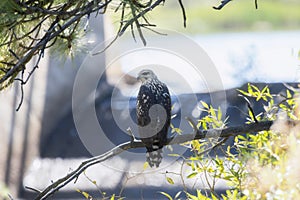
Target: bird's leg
132	138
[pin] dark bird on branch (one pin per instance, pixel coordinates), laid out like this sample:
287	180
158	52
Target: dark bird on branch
153	110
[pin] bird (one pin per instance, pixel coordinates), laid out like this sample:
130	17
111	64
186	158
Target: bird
153	110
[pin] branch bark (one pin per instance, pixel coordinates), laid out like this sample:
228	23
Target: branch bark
198	134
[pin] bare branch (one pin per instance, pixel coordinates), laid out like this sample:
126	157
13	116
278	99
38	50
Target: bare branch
223	133
33	189
183	13
223	3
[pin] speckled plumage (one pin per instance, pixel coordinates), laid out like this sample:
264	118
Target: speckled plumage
153	115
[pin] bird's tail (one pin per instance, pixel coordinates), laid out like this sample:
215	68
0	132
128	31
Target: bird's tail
154	157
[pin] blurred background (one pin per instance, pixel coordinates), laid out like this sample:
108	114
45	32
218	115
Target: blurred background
40	143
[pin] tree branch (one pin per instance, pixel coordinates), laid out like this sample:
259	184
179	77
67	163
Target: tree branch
198	134
50	34
141	14
223	3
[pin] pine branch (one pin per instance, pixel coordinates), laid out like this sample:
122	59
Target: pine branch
198	134
50	34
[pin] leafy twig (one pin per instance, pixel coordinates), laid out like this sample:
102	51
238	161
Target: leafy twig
224	133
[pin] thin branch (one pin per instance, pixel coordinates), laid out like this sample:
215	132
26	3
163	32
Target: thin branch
32	189
154	31
183	13
256	4
10	197
142	13
22	89
223	3
222	141
22	95
120	27
14	54
179	139
137	24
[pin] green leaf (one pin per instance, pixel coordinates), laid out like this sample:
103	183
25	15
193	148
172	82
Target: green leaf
265	90
214	197
146	164
166	195
170	180
212	111
196	145
192	175
288	94
174	155
177	195
250	91
193	197
204	104
177	130
251	115
219	114
255	88
204	126
85	194
201	196
172	126
112	197
224	197
243	92
198	197
192	164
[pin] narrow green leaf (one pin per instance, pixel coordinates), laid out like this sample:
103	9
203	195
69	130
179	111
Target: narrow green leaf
250	91
243	92
212	111
264	89
288	94
219	114
177	195
204	104
255	88
192	196
192	175
214	197
166	195
112	197
85	194
170	180
146	164
174	155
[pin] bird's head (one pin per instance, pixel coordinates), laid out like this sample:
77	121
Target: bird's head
145	75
